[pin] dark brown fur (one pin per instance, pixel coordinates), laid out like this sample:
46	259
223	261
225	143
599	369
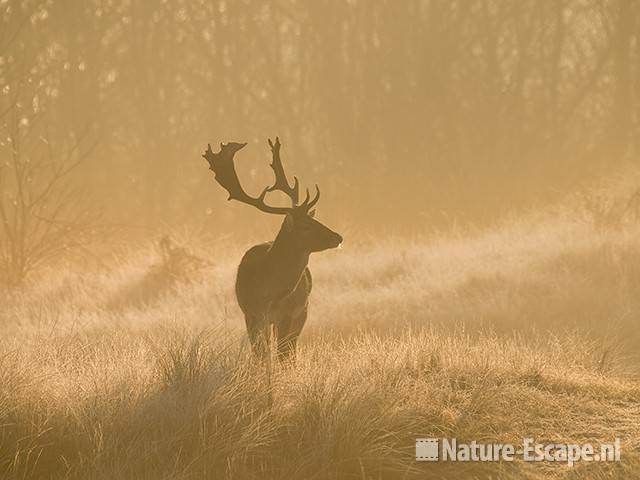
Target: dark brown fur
273	282
271	304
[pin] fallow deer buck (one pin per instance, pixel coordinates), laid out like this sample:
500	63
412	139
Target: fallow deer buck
273	282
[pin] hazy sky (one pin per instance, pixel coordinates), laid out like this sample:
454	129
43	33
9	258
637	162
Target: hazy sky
406	114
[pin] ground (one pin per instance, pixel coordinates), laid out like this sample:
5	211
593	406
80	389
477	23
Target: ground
138	368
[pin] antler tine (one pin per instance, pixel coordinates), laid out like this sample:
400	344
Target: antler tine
222	165
281	183
308	205
316	198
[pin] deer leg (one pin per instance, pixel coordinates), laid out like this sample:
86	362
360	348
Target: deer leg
288	341
283	338
257	328
287	348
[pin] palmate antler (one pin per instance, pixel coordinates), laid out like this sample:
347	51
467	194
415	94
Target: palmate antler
222	165
281	182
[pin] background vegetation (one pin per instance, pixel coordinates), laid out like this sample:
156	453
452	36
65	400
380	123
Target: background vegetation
405	113
141	369
478	156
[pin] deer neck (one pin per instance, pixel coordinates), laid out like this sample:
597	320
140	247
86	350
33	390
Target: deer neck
287	262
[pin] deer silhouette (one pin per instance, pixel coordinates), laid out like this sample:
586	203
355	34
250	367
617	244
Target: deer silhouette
273	282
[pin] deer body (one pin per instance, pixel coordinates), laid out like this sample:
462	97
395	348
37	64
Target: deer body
274	299
273	281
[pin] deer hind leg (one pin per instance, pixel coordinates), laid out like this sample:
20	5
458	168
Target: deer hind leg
259	334
287	334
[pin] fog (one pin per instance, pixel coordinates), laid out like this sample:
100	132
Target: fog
479	158
408	115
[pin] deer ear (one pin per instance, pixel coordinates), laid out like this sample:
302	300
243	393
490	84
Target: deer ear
312	213
288	222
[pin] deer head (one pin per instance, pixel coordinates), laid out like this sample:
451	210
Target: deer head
300	230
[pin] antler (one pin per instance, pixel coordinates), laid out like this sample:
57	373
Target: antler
222	165
281	183
308	205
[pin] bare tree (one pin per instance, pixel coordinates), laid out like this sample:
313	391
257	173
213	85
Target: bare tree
42	217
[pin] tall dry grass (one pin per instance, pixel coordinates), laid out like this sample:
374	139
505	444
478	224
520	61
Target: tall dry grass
529	330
